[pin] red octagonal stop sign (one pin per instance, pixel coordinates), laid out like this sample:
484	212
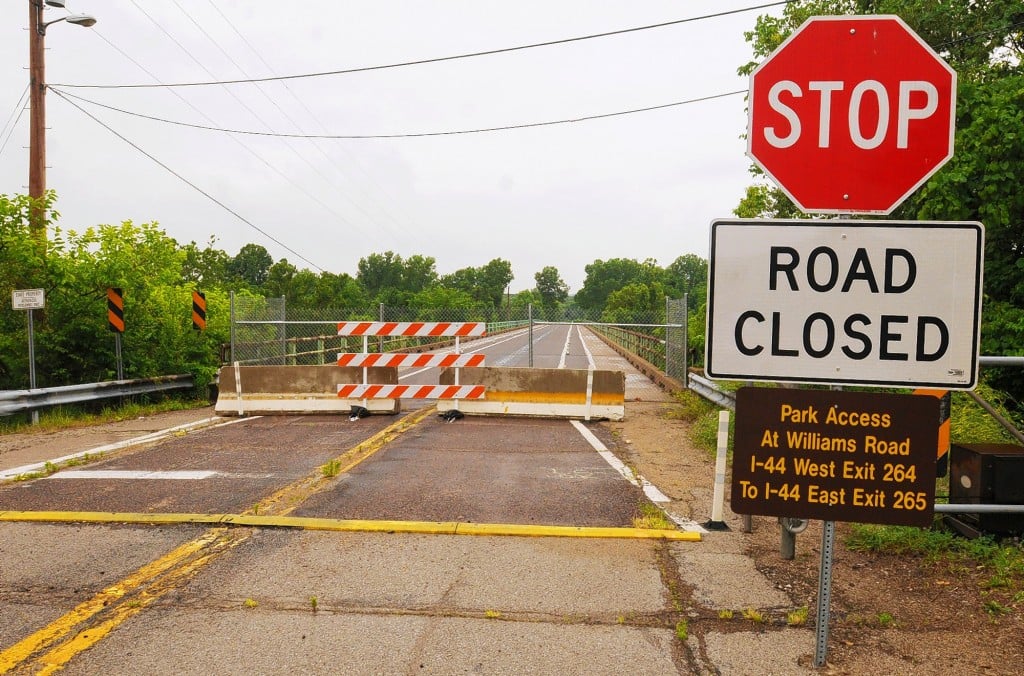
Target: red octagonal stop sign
851	114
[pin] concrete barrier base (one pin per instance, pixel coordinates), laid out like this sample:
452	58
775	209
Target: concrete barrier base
296	390
559	393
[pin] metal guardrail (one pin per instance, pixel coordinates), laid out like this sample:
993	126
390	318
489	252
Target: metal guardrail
20	401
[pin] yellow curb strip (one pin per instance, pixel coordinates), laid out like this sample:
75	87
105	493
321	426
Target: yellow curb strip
356	525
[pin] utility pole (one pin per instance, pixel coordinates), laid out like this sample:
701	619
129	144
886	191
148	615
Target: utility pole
37	116
37	122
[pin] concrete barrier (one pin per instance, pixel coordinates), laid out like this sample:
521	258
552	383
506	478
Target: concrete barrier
559	393
260	390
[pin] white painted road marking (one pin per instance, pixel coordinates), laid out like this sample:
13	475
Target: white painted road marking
178	475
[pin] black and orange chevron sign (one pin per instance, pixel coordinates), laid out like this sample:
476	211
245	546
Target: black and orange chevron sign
115	309
198	310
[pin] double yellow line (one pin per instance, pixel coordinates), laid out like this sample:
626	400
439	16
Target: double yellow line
79	629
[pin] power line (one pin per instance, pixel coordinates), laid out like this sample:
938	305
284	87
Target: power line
482	130
352	159
191	184
440	59
19	108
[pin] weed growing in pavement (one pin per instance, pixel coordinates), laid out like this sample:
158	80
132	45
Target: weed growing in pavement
313	603
331	468
753	615
249	603
885	619
798	617
725	614
651	518
492	614
682	630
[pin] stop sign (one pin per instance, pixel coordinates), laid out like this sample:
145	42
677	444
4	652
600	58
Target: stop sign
851	114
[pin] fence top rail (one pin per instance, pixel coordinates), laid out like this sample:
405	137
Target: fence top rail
612	324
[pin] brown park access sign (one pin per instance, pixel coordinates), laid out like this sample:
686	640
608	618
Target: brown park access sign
835	455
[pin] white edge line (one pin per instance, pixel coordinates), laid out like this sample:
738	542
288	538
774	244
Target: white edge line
649	489
152	436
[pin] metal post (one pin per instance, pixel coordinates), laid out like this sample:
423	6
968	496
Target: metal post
284	333
234	355
32	362
117	354
686	343
828	539
529	309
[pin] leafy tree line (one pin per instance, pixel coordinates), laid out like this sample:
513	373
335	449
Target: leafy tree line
73	343
984	44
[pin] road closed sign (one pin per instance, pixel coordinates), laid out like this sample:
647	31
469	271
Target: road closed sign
887	303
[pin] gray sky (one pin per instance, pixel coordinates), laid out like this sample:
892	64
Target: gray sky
644	185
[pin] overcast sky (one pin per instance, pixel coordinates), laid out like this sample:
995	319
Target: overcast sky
643	185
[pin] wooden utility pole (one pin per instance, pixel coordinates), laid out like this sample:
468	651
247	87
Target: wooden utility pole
37	121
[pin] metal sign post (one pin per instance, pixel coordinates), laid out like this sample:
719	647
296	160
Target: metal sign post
30	299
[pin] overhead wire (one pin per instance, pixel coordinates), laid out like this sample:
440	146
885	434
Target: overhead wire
19	109
481	130
440	59
261	88
352	158
342	219
190	183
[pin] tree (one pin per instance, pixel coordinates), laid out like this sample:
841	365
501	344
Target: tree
605	277
552	290
205	267
493	280
251	265
688	275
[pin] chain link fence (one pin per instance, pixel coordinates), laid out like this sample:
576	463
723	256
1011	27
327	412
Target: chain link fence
265	331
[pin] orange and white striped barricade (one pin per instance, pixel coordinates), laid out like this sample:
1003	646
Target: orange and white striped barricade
367	391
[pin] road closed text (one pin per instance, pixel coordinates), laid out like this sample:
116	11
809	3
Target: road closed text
818	335
841	303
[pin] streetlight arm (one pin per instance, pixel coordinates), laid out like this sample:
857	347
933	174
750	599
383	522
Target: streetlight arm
76	19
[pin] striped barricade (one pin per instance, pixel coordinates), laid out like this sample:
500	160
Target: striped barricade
419	329
363	393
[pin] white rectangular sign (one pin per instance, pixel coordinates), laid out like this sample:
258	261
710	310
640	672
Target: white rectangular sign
890	303
28	299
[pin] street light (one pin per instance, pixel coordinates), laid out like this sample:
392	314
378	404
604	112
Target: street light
37	103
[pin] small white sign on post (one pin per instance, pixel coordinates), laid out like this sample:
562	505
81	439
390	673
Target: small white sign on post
889	303
28	299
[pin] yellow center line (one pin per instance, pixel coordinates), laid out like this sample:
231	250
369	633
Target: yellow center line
112	598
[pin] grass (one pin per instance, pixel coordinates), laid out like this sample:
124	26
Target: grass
682	630
50	468
753	615
651	518
64	417
1001	563
703	418
331	468
798	617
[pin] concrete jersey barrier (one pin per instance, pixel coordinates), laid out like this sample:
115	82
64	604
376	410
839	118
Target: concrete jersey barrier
559	393
262	390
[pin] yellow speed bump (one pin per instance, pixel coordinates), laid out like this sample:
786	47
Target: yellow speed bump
354	525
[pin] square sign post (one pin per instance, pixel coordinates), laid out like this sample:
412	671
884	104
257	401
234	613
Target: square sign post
30	299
